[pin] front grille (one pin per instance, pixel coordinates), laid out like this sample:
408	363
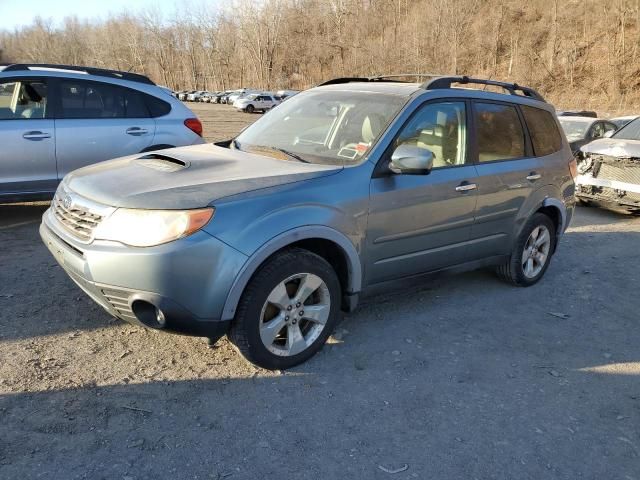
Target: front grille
118	299
621	173
76	219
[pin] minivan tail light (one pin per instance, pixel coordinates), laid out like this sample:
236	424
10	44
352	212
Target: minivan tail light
573	168
194	125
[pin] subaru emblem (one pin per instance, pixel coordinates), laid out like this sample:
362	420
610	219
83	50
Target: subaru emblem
67	201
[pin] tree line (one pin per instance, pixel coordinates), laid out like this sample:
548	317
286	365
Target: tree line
578	53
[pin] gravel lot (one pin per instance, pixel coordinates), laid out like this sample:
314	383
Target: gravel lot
465	377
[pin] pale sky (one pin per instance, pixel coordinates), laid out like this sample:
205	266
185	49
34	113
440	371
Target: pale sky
17	13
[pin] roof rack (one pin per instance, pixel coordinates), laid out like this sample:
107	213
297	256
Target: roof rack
377	78
102	72
512	88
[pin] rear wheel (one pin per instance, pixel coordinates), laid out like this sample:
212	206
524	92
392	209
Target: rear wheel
531	253
287	311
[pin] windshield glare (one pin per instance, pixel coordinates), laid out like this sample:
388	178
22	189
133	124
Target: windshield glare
574	129
328	127
631	131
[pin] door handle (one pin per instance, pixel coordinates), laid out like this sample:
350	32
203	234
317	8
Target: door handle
36	135
533	176
136	131
465	187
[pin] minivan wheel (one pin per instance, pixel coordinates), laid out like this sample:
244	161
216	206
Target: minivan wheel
287	311
532	252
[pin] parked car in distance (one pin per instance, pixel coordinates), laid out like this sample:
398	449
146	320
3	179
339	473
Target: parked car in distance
254	102
231	99
282	95
609	170
339	191
183	95
622	121
57	118
194	96
582	130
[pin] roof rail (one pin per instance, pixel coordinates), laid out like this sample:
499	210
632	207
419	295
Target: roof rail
512	88
102	72
377	78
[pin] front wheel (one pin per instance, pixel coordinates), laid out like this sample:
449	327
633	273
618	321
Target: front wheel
250	108
287	311
531	253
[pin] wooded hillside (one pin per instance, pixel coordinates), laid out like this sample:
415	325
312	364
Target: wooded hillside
578	53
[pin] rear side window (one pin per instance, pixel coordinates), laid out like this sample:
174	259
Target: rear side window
544	132
499	132
82	99
156	107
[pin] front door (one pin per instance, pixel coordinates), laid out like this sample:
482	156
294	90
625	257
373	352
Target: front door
97	121
422	223
27	138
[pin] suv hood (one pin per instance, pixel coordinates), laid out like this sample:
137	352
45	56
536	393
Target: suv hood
613	147
187	177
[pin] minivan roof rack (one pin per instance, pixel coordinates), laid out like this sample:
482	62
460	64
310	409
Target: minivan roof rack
512	88
102	72
377	78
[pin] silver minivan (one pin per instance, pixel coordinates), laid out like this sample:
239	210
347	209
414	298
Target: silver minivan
55	119
341	191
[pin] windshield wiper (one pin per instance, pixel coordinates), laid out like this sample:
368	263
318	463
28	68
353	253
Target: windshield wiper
281	150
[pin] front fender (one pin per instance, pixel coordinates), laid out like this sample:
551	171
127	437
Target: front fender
281	241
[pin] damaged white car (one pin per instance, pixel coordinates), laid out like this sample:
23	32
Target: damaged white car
609	169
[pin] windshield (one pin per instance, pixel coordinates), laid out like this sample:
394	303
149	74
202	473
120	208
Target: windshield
574	129
631	131
327	127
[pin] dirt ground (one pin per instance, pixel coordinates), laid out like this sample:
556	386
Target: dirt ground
463	378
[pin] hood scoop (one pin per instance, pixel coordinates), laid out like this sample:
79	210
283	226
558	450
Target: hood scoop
162	163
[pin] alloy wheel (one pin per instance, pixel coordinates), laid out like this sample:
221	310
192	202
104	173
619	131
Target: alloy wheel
295	314
536	251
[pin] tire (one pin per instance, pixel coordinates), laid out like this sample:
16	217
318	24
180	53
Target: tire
515	270
291	268
250	108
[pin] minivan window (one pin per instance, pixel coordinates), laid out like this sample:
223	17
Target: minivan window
22	100
631	131
499	132
81	99
544	132
439	128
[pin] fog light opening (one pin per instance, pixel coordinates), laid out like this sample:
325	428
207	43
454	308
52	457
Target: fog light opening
149	314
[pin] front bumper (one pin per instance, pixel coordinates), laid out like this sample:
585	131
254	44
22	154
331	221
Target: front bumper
187	280
611	192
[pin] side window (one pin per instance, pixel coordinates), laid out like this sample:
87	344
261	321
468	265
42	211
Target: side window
440	128
156	107
609	127
22	100
499	132
544	132
81	99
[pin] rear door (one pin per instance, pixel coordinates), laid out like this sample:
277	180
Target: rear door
27	137
97	121
508	173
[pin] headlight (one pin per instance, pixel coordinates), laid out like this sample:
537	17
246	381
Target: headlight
145	228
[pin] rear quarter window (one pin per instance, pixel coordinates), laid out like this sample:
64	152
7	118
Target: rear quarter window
543	129
157	107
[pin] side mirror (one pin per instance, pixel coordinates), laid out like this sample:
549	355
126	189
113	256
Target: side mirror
411	160
609	134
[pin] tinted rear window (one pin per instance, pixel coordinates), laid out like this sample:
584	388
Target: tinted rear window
157	107
544	132
82	99
500	135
